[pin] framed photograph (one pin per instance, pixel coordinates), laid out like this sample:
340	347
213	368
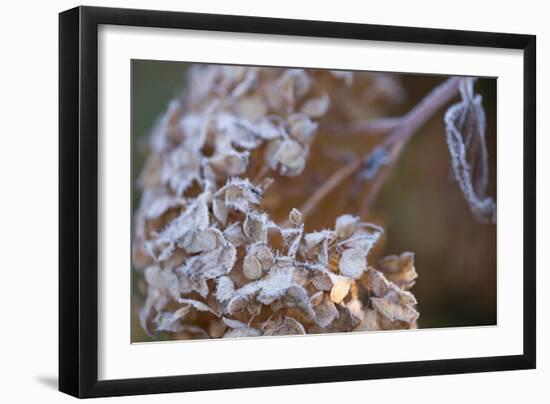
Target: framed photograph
252	202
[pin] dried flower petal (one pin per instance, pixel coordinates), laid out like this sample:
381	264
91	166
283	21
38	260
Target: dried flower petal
295	217
302	128
252	268
400	269
240	194
225	289
393	311
289	326
352	263
346	225
316	107
340	288
325	313
255	227
291	158
239	329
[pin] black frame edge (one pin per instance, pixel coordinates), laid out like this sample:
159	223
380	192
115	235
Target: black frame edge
529	201
69	82
78	192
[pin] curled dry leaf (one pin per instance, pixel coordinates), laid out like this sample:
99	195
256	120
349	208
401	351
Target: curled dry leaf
465	130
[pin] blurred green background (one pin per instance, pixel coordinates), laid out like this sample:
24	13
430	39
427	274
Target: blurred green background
420	207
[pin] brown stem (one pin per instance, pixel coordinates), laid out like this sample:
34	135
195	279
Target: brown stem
328	186
369	127
394	143
410	123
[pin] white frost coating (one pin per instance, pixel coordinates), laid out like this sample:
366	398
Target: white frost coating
465	130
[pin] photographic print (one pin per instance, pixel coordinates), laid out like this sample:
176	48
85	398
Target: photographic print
273	201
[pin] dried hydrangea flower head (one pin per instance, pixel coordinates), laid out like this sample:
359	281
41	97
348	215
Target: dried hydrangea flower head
215	263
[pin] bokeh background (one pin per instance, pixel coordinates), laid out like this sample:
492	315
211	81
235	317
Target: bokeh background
420	207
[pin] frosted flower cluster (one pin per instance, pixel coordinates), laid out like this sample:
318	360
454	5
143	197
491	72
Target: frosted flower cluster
214	262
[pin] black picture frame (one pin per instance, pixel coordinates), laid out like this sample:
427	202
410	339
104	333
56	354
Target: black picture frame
78	201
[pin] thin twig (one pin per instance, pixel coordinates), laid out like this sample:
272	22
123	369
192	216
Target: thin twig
328	186
394	143
411	122
261	174
370	127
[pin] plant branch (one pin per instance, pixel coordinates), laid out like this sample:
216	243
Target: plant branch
411	122
328	186
393	144
370	127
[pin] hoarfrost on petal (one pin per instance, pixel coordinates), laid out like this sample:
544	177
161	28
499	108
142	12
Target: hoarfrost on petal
346	225
316	107
225	289
352	263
